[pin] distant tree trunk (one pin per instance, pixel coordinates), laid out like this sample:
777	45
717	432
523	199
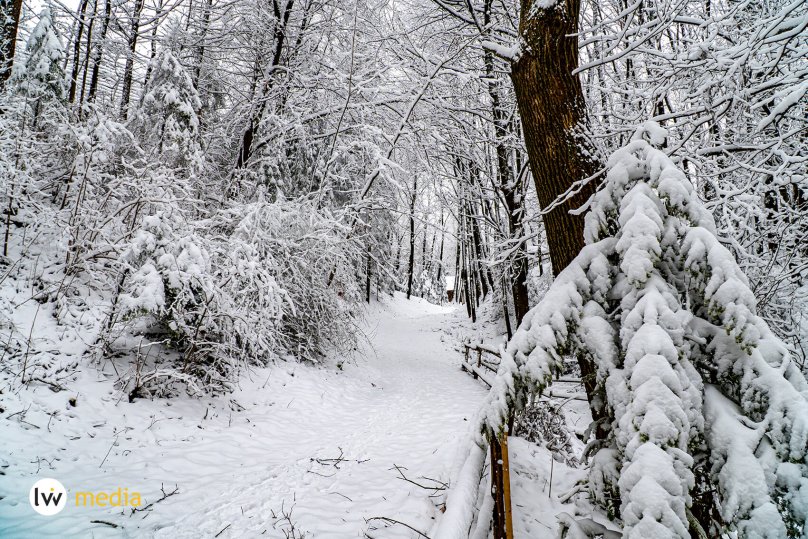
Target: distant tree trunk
457	286
411	263
551	105
368	275
478	252
9	22
200	51
249	134
153	44
505	312
130	59
399	240
87	53
440	251
74	73
98	51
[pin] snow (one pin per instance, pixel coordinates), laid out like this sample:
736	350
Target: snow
511	53
242	460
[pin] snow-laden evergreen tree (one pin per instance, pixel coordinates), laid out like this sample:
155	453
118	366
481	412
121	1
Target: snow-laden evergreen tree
41	79
167	117
701	417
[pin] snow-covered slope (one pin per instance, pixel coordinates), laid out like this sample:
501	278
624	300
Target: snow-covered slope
319	445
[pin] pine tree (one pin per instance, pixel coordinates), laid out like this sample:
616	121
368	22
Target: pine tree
42	78
167	115
695	393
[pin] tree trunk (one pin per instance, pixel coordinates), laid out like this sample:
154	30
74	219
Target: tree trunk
411	263
130	59
74	74
200	50
98	51
368	275
551	105
553	111
153	44
440	254
10	17
509	185
87	53
249	134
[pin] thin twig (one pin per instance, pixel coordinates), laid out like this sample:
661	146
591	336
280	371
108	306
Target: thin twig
393	521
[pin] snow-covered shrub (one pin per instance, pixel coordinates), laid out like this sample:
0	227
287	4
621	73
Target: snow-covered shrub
98	197
311	260
704	412
245	286
216	300
541	423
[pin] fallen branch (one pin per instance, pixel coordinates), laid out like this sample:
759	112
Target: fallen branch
425	487
104	522
393	521
165	495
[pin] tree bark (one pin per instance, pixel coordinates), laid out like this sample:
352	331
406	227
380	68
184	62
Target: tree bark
74	74
130	59
411	262
551	105
10	17
98	51
553	111
87	53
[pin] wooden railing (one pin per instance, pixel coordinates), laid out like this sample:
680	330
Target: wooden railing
484	369
480	368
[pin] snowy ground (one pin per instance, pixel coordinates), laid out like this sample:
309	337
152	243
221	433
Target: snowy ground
240	462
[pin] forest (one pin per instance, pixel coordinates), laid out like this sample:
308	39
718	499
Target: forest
301	218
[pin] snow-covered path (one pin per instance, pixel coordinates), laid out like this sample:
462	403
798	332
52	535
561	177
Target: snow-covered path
406	404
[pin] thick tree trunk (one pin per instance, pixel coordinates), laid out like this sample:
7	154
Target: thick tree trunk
130	59
551	105
9	22
553	112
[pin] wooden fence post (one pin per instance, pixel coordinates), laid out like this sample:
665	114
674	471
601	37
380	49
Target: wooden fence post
496	488
501	487
506	487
